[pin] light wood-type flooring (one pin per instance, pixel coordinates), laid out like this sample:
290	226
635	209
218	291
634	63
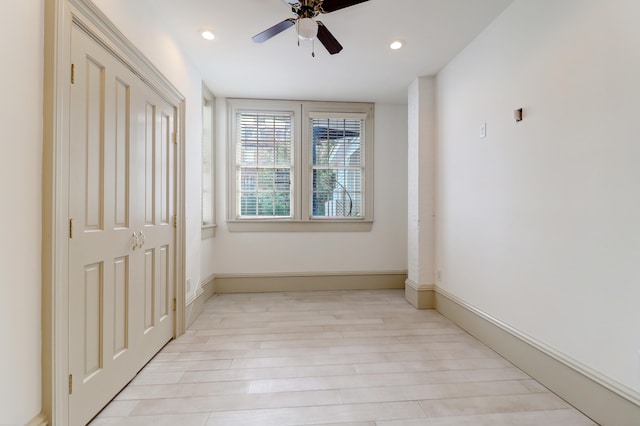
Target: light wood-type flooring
336	357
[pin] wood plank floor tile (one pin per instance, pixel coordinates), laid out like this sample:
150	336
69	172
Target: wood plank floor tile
492	405
567	417
267	373
437	391
168	420
235	402
318	415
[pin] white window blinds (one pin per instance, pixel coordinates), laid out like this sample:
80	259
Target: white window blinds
337	165
263	164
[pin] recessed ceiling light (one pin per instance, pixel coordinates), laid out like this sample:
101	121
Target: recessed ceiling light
207	34
396	45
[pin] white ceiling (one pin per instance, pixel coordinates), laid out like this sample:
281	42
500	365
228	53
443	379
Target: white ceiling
434	31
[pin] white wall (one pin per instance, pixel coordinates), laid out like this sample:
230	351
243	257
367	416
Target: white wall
136	20
21	85
539	223
382	249
421	185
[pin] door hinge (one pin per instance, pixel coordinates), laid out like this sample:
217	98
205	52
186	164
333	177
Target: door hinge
175	221
73	73
175	305
70	384
70	228
175	138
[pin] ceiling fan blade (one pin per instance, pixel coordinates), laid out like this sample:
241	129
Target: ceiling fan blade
273	31
333	5
328	40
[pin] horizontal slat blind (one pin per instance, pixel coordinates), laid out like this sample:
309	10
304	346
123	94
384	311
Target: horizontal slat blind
263	164
337	165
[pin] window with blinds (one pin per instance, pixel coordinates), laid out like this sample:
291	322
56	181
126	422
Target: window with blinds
337	165
300	166
263	162
208	164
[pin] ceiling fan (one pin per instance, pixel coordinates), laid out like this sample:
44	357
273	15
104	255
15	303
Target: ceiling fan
308	28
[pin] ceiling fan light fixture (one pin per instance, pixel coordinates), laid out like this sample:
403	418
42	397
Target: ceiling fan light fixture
307	28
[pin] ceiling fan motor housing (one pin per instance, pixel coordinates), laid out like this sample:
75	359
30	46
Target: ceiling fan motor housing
308	8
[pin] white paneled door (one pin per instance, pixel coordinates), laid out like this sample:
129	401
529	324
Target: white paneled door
122	235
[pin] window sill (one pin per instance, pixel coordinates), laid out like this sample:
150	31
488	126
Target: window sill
299	226
208	231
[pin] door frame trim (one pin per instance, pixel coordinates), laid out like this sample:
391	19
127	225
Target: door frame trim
59	17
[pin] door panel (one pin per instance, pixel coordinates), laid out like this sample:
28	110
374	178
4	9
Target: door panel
158	231
121	145
120	306
94	144
165	166
164	293
121	257
93	297
100	245
149	290
149	163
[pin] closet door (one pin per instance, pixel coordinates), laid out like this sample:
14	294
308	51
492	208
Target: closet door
121	246
155	182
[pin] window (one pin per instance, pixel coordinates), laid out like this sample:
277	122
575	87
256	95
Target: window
208	164
264	164
300	166
337	165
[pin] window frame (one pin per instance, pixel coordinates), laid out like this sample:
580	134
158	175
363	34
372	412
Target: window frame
302	218
207	230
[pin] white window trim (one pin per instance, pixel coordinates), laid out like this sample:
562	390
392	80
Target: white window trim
301	220
208	231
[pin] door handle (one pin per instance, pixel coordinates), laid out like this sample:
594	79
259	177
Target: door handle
135	240
142	240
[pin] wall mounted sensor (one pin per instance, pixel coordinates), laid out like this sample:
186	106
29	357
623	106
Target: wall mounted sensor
517	114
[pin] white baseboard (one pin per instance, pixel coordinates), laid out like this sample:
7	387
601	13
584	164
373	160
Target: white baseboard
601	399
421	296
196	304
39	420
261	283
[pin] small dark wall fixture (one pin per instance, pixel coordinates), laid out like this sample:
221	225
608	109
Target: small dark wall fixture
517	114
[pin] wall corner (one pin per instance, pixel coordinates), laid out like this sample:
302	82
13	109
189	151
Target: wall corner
421	296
